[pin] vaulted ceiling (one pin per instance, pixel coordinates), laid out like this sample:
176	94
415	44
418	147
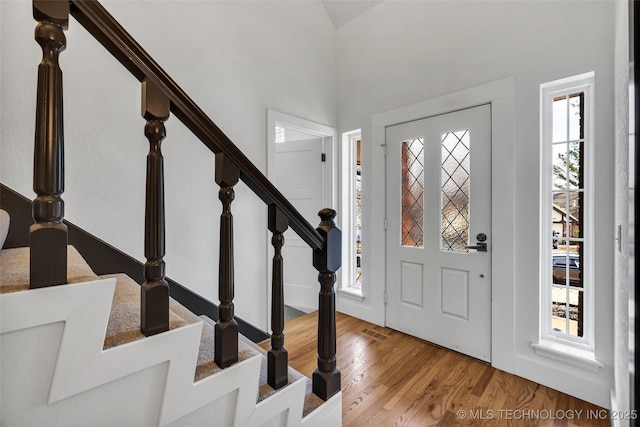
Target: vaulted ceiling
343	11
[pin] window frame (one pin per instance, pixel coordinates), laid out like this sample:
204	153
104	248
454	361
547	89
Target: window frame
584	83
348	281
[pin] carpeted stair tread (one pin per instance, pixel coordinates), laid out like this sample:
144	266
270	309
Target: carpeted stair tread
206	365
311	401
124	319
264	389
14	269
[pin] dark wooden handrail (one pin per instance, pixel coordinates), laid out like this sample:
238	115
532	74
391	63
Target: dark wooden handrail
104	28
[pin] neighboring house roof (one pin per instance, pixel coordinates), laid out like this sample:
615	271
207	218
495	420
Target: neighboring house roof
560	205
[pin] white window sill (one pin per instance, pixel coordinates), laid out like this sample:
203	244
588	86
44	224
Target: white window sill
352	292
567	354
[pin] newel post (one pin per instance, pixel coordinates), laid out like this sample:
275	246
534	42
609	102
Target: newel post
277	357
48	235
154	293
226	329
326	378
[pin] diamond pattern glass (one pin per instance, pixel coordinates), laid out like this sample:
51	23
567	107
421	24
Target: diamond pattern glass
455	191
413	193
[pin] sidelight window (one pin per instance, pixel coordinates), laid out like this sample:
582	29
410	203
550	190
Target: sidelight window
566	280
352	212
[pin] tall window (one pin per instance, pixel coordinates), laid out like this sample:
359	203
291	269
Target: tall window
566	201
352	212
357	201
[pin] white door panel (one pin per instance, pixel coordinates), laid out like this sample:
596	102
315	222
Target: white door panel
438	201
299	176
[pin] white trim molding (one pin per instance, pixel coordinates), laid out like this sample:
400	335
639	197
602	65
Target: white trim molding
568	354
548	339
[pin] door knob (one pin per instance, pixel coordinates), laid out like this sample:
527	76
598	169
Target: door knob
480	247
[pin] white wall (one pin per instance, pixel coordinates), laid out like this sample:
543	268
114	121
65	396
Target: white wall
620	392
401	53
235	59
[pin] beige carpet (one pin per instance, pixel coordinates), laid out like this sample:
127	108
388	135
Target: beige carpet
124	320
14	269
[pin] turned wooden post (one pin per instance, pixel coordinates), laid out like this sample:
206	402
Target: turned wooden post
326	378
226	329
48	235
277	357
154	294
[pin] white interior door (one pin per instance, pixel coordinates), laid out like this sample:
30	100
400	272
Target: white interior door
438	203
299	176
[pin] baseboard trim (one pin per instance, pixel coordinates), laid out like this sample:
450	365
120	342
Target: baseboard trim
105	259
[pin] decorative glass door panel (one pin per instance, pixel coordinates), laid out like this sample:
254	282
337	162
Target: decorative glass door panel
455	179
413	192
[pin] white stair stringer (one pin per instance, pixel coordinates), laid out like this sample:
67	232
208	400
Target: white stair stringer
82	364
55	372
188	397
282	408
329	414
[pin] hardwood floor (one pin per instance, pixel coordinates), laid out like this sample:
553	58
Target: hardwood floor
392	379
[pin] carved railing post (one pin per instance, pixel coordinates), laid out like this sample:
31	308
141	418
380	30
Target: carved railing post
326	378
277	357
154	294
226	329
48	235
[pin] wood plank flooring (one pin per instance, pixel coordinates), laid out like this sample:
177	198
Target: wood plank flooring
392	379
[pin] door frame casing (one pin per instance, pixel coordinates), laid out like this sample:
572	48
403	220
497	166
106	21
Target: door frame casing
500	94
312	128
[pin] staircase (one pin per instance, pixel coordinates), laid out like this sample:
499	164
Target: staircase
77	348
74	355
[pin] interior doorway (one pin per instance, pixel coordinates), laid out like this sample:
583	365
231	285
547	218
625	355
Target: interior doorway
300	163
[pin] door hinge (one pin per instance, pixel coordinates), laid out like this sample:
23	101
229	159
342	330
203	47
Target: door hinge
384	149
384	224
385	297
323	157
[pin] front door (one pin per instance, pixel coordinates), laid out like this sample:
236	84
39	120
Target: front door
438	230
